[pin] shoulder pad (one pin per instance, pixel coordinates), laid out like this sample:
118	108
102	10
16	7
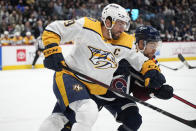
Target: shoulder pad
92	24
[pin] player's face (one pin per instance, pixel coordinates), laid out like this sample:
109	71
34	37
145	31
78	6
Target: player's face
118	28
150	49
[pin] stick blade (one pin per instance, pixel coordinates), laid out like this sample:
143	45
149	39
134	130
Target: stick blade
192	67
175	69
192	123
181	57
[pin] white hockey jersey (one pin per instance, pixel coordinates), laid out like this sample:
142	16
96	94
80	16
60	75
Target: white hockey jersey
93	55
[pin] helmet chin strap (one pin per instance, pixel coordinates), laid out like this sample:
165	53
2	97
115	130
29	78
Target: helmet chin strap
142	51
145	43
110	33
109	29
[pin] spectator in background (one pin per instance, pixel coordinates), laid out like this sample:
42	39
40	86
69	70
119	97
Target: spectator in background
29	39
11	28
13	17
17	39
6	40
168	11
3	26
21	6
5	15
38	28
173	30
82	10
32	19
161	26
186	33
27	28
58	8
167	36
19	27
189	37
140	22
27	13
50	9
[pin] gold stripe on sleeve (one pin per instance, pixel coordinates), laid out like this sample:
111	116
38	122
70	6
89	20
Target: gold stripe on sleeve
50	37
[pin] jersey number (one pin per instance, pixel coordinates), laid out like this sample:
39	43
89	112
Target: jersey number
69	22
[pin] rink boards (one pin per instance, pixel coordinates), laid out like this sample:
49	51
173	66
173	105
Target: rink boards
21	57
168	51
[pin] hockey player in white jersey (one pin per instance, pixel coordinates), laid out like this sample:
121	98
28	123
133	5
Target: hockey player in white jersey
98	47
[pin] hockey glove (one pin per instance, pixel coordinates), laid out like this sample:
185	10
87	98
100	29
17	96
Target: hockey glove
154	79
165	92
53	58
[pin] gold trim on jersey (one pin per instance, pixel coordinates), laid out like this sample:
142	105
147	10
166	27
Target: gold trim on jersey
93	25
125	39
61	87
50	37
93	88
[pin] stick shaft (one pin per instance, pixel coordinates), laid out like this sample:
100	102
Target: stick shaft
175	69
184	101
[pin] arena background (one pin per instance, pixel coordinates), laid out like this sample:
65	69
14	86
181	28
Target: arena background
176	21
26	95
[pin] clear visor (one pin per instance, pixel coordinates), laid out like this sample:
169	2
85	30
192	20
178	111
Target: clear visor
154	44
123	24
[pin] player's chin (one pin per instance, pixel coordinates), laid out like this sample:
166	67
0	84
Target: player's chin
151	55
116	36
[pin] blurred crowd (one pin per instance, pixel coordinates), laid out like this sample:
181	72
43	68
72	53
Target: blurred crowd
22	20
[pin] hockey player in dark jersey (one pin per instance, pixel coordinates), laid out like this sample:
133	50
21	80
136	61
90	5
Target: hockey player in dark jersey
132	82
147	41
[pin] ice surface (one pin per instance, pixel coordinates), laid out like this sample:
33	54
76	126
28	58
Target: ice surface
26	99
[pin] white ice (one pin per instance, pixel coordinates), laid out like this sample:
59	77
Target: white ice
26	99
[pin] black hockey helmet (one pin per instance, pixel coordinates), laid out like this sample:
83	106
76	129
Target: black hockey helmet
147	33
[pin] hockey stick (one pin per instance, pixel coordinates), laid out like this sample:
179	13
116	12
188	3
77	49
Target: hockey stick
182	59
184	101
175	69
191	123
174	96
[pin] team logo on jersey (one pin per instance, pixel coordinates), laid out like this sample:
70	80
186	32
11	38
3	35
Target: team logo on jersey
120	83
77	87
102	59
